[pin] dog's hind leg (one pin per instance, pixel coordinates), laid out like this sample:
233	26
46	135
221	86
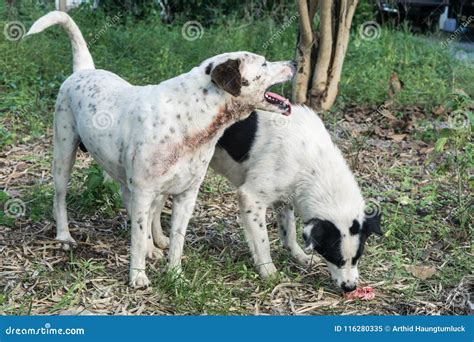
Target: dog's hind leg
183	206
252	212
286	222
126	198
66	140
160	239
153	251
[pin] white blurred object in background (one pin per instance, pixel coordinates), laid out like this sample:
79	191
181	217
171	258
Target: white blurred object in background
66	5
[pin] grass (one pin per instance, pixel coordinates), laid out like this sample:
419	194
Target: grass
421	182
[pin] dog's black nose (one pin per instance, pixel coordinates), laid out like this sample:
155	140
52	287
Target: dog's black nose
294	64
348	288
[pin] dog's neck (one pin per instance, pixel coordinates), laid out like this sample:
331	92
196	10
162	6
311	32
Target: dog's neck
224	116
213	109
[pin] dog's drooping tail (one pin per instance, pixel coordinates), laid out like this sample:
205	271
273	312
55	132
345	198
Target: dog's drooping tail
82	58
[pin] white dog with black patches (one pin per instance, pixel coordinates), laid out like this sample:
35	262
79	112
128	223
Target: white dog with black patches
293	165
155	140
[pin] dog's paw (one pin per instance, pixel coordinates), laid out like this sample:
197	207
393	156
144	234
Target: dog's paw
138	279
267	270
306	259
162	241
67	242
154	253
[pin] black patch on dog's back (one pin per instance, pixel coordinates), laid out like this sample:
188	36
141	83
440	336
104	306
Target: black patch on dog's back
238	138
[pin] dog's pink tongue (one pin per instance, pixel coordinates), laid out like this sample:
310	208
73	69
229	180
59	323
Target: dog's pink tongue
282	99
278	97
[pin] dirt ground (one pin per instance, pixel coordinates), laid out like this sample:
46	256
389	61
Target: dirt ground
393	167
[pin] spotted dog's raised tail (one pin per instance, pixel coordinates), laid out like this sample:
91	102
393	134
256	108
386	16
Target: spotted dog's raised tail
82	58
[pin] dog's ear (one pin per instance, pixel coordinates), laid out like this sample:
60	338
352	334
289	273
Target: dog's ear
227	76
372	224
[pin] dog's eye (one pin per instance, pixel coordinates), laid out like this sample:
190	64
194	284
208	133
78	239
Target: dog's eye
264	64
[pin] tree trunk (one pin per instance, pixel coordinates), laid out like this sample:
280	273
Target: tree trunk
317	81
62	5
303	51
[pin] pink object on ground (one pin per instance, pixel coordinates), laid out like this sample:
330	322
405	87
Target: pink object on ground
366	293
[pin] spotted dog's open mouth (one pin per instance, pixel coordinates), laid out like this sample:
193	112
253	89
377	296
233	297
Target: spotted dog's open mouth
277	100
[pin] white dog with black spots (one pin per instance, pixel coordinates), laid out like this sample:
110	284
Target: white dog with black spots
156	140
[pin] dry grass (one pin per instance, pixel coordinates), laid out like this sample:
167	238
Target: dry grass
38	277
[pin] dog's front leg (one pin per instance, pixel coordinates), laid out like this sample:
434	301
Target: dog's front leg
252	212
140	205
286	222
183	206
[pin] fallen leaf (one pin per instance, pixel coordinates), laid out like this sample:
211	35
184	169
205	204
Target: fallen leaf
438	110
386	113
421	272
426	150
397	137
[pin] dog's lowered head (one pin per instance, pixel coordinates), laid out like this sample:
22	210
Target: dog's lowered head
341	245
